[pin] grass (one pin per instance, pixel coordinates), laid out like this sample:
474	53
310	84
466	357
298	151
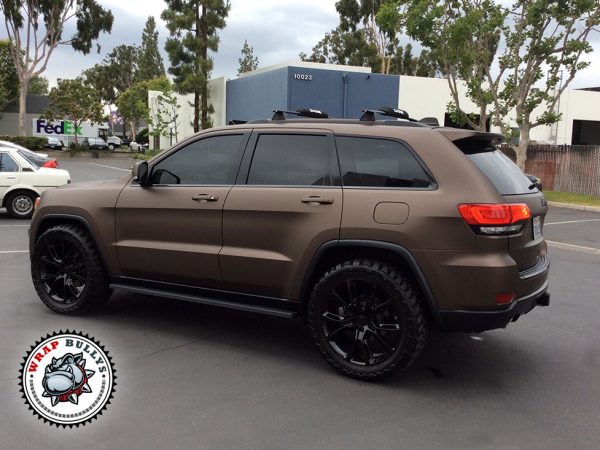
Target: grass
568	197
147	155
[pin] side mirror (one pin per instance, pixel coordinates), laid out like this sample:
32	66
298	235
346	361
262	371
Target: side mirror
140	173
535	182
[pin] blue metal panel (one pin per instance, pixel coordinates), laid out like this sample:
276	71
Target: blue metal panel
256	96
341	94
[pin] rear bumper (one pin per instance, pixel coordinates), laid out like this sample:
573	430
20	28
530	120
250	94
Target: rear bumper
476	321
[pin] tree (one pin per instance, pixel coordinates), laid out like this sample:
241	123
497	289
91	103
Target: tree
542	39
346	48
38	86
150	64
248	62
73	100
36	28
9	79
133	103
162	115
193	26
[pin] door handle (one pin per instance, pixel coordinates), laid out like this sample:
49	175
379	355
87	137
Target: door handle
11	178
205	198
317	199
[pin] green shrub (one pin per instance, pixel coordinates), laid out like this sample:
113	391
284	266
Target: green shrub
30	142
142	136
76	148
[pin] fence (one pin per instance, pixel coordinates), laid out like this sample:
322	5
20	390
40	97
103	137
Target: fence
567	168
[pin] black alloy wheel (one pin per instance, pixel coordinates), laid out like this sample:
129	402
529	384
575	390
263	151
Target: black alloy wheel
67	270
367	318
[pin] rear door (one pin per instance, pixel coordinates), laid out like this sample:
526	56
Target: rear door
287	203
9	173
172	230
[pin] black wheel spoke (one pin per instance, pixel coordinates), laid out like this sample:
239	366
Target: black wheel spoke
384	305
72	290
337	331
367	350
387	327
340	299
334	317
63	271
352	348
50	261
351	290
382	340
50	276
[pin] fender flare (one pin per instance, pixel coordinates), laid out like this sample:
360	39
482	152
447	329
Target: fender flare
401	251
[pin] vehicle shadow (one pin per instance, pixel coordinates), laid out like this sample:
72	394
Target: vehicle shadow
455	362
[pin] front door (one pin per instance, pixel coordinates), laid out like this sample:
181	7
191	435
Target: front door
171	231
287	204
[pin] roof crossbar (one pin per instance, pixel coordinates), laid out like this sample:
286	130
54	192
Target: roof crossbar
369	114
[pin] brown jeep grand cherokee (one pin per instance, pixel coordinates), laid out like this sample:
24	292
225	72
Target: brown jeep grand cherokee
373	231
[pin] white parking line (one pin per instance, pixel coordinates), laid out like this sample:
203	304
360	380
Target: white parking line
110	167
571	221
15	225
576	248
3	252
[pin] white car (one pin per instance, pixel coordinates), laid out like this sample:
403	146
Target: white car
22	181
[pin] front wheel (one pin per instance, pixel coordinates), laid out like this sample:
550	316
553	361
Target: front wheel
21	205
67	271
367	319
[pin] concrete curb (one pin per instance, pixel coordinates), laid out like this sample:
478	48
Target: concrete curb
574	206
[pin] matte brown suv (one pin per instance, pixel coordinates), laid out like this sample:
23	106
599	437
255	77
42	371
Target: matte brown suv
373	231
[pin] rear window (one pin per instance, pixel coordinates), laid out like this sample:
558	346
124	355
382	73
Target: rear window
504	174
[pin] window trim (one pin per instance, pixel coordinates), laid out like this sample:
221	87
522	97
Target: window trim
433	187
334	168
244	133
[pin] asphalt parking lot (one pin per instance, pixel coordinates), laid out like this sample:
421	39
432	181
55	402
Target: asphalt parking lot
194	376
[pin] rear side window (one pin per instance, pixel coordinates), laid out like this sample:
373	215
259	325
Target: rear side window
379	163
291	160
7	164
502	172
212	160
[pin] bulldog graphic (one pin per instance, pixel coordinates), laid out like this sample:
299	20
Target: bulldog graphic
66	379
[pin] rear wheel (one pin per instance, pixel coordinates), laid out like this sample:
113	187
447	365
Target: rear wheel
20	205
67	271
367	320
111	147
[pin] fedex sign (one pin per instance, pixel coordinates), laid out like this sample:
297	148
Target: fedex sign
64	127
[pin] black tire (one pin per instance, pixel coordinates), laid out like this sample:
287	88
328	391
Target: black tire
67	271
21	204
346	310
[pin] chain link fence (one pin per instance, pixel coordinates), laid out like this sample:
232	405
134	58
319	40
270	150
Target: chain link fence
566	168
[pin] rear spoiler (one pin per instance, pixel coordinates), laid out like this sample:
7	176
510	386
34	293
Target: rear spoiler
471	141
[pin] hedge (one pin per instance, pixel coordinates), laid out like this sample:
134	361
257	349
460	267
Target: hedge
32	143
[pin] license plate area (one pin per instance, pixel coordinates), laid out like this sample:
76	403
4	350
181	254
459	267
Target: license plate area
537	228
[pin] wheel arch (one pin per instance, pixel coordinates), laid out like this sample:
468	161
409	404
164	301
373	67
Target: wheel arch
334	252
50	220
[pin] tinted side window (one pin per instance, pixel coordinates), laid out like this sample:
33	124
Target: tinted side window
7	164
291	160
379	163
212	160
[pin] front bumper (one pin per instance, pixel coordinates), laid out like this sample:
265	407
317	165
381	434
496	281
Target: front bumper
476	321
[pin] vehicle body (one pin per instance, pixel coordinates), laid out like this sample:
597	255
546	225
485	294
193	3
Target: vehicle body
373	231
22	180
54	143
113	142
94	143
137	147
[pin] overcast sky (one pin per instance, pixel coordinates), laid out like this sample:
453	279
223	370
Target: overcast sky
277	29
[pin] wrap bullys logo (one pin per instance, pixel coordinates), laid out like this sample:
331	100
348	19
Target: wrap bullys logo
67	378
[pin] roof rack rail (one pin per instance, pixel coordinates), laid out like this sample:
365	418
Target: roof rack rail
304	112
237	122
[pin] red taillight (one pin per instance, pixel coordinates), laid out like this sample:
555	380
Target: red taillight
51	163
494	214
